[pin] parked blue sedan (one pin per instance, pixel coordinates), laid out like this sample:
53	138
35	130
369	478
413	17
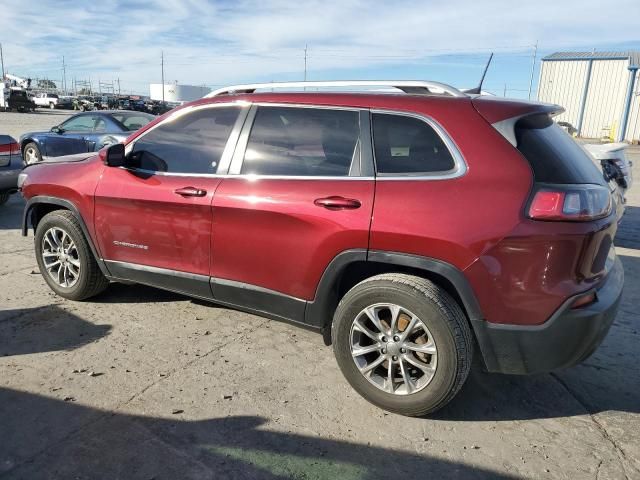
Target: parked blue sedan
85	132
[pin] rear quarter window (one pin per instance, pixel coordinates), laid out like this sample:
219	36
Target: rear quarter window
407	145
554	156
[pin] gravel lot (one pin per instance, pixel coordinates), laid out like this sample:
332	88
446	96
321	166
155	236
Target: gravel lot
15	124
143	384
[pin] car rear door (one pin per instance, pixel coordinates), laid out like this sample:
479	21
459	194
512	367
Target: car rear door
299	193
153	218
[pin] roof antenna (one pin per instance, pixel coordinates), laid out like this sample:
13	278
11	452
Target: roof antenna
478	89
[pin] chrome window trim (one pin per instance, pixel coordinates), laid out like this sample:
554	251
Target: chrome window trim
460	169
248	177
460	166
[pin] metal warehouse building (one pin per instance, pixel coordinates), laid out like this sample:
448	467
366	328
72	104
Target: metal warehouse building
599	90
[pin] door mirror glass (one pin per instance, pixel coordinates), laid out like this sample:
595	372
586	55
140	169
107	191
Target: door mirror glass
57	129
115	155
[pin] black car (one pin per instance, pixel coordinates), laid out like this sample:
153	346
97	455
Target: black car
20	101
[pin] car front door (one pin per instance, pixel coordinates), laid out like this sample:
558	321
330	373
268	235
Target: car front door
300	192
70	138
153	217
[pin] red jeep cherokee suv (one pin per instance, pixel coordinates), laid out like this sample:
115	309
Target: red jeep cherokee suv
410	228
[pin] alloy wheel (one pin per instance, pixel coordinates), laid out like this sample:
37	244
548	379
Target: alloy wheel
30	155
60	257
393	349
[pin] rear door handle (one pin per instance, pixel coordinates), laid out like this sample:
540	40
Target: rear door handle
338	203
190	192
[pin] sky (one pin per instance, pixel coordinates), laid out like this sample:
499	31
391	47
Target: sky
218	43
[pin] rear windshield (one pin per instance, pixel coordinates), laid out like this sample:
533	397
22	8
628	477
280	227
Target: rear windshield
554	156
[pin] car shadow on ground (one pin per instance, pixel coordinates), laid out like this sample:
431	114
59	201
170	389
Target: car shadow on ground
609	380
45	329
48	438
136	293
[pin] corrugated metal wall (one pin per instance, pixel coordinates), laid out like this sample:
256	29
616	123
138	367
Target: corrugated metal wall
562	82
605	100
633	127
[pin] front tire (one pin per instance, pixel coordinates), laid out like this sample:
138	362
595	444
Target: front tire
65	258
31	154
403	343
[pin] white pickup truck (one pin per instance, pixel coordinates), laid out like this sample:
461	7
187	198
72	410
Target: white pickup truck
49	100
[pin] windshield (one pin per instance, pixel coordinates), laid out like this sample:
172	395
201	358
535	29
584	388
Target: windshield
133	120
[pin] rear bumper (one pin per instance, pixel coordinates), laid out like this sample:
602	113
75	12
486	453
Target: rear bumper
566	339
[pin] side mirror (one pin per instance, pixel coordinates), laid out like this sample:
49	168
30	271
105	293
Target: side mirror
115	155
57	129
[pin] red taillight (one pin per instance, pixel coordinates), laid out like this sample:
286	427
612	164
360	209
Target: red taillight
14	149
578	203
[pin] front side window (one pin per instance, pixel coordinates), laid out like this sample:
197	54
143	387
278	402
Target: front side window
192	143
81	123
306	142
408	146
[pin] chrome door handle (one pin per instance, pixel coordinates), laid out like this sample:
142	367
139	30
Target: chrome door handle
190	192
338	203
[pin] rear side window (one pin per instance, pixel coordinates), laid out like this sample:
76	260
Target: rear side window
132	122
408	146
554	156
192	143
302	142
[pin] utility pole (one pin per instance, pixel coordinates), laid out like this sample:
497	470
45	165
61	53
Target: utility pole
505	90
162	63
64	76
118	86
533	67
2	62
305	62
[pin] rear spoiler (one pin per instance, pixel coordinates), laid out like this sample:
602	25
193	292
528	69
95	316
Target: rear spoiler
503	114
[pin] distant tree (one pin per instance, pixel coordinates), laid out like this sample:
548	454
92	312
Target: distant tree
46	84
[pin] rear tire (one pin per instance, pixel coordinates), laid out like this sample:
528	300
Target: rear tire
52	106
59	241
407	387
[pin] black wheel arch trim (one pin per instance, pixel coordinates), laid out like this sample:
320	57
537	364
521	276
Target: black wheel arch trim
318	311
66	204
444	269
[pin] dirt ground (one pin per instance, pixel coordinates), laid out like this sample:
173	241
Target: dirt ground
143	384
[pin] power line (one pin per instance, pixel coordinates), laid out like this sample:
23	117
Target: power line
533	67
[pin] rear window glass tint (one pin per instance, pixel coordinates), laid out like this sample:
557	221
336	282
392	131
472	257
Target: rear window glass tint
554	156
408	145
